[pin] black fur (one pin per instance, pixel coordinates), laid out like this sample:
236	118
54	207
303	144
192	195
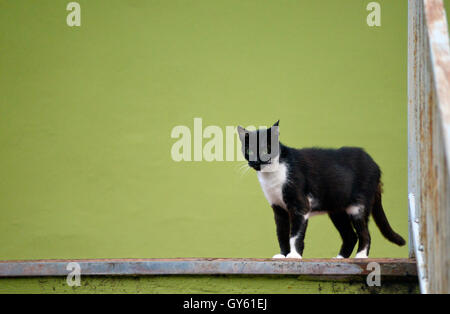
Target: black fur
336	179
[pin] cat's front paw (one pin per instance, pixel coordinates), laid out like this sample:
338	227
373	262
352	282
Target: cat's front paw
294	255
279	256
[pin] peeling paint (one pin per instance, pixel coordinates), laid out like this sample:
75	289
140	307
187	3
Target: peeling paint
429	137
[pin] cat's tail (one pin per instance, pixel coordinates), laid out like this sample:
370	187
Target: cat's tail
380	219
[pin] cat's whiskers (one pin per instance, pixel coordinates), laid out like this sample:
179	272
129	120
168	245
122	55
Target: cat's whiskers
239	168
245	171
243	166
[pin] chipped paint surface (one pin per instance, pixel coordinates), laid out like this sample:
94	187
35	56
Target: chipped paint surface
429	137
212	266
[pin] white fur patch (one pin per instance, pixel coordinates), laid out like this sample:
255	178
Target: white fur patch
354	210
292	243
314	206
313	202
315	213
293	253
279	256
272	184
362	254
339	256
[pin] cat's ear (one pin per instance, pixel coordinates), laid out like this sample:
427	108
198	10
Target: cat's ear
241	132
275	132
275	128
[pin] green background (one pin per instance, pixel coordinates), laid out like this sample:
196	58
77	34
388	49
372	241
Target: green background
86	114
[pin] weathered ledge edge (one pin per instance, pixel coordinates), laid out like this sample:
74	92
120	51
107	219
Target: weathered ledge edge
210	266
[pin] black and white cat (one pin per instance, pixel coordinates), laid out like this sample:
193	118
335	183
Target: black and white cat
300	183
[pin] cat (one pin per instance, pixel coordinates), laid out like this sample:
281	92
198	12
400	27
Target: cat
300	183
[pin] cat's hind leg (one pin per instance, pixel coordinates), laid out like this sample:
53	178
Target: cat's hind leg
359	217
343	224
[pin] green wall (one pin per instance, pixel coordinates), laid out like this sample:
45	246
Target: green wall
86	115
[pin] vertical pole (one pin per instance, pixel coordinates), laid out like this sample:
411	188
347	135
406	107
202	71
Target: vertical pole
413	74
429	143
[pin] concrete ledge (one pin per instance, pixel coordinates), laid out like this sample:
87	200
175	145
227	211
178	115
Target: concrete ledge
405	268
199	284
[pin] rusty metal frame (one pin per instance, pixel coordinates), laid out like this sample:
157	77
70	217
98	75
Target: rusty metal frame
429	142
417	246
404	268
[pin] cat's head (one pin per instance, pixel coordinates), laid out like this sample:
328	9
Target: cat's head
260	148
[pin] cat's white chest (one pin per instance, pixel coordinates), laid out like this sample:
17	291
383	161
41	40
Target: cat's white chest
272	184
